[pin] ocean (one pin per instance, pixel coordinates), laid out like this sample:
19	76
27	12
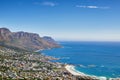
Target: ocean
92	58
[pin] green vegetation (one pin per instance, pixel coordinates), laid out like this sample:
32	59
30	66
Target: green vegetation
18	64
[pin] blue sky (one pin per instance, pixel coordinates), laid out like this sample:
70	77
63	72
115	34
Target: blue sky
79	20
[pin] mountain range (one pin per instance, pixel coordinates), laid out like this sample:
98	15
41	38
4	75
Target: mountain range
26	40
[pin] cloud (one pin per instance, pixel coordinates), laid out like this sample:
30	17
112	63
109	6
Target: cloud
51	4
91	7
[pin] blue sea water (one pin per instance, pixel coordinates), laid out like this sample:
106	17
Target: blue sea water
93	58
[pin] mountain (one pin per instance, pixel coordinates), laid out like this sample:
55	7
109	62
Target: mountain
49	39
25	40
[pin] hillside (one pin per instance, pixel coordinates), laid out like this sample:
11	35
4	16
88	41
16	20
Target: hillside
25	40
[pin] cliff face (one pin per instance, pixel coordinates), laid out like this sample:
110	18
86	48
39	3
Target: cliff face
25	40
5	34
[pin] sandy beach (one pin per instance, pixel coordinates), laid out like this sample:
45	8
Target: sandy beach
71	69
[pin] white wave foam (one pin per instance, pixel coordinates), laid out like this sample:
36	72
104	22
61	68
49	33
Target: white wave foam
73	71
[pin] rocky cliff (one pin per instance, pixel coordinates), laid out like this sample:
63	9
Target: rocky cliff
25	40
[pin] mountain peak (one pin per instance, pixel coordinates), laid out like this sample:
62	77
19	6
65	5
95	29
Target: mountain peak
4	30
26	40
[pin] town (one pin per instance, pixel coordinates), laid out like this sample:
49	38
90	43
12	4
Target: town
17	64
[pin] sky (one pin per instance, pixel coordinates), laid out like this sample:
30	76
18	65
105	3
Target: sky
70	20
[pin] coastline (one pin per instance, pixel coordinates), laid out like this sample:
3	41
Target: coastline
71	69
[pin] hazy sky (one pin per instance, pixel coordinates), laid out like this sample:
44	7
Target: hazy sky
64	19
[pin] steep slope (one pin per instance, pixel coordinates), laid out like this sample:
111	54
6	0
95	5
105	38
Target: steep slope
25	40
50	40
5	34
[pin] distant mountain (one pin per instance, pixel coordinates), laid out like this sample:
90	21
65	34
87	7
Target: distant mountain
49	39
25	40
